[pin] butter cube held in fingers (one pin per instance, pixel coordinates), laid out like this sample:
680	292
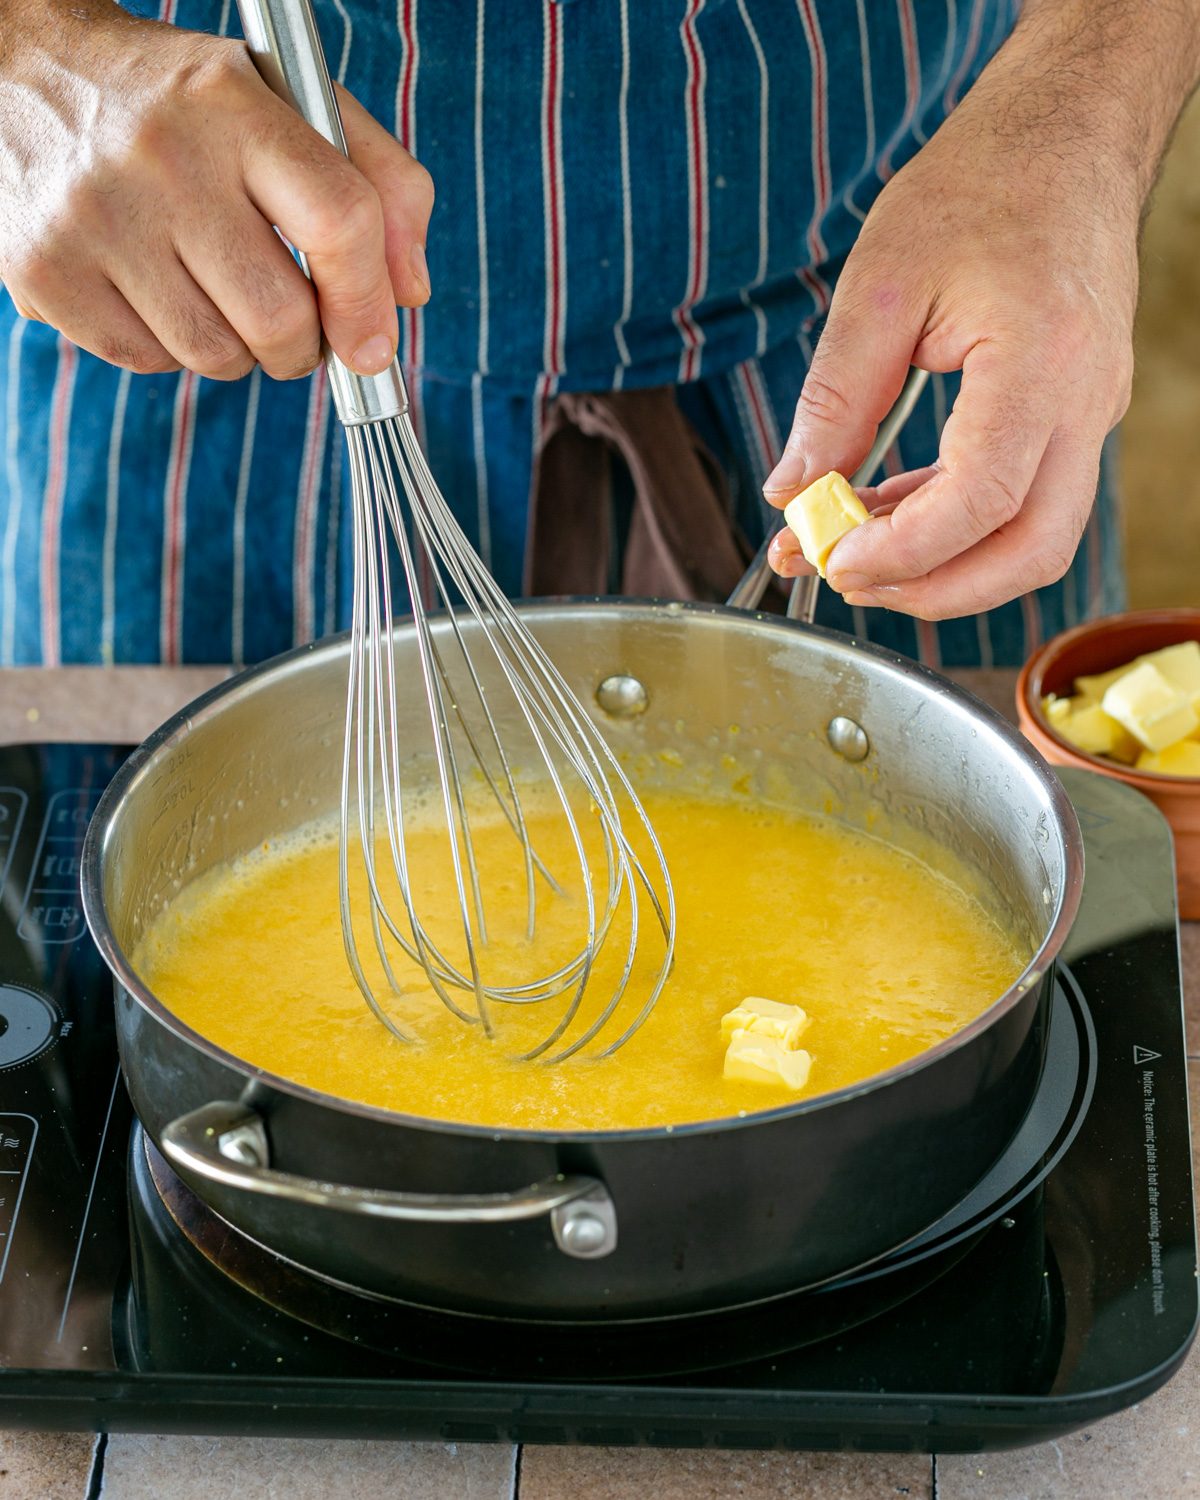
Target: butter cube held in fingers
821	515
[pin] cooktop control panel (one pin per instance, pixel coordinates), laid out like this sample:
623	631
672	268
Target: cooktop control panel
59	1094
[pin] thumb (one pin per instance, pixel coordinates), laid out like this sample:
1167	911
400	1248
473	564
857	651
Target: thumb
859	367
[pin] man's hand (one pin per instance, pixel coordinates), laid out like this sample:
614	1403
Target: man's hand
141	171
1006	249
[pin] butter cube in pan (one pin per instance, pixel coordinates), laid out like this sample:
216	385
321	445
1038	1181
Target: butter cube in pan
1151	708
785	1024
764	1059
821	515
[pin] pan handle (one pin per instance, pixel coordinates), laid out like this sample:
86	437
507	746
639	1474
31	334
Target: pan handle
227	1143
802	603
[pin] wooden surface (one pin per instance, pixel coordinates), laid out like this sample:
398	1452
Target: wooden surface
1152	1450
117	705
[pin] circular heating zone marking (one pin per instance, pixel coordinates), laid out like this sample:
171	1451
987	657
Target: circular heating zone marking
28	1025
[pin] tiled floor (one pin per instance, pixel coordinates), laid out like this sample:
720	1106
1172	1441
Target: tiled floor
197	1468
46	1465
623	1473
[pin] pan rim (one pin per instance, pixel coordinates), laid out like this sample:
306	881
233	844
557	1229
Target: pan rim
1034	975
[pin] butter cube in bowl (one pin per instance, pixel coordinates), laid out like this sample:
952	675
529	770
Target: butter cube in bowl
1121	696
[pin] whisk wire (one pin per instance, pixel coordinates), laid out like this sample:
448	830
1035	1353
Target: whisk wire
355	743
560	733
422	949
578	969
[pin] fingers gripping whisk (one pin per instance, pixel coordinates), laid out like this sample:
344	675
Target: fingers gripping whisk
501	727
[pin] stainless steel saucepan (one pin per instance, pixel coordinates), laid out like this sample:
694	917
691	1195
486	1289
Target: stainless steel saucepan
582	1225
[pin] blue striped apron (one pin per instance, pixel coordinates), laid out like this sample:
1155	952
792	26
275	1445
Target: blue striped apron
630	193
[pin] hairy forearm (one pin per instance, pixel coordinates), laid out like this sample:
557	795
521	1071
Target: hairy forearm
1100	82
1005	249
60	25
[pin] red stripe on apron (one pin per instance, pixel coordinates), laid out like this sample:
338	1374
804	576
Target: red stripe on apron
171	617
1095	570
820	154
767	442
1031	618
970	52
304	544
698	216
407	131
552	149
412	322
912	83
929	648
52	504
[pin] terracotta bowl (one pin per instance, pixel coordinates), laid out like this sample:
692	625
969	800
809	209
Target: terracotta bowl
1099	646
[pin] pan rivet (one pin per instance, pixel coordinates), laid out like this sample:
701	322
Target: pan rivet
583	1234
1008	1223
622	696
848	738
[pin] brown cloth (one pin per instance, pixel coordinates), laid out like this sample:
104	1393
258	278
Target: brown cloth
683	541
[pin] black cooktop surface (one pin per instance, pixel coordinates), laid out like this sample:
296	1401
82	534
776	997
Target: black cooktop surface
1065	1290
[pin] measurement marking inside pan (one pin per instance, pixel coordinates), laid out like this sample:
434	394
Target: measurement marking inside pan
87	1207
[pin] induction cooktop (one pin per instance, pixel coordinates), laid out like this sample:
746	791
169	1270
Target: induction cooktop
1063	1289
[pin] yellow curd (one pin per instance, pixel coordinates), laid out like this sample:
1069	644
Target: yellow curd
885	955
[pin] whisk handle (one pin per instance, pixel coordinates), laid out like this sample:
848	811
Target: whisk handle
286	47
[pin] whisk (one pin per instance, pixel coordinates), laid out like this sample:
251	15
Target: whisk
500	673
